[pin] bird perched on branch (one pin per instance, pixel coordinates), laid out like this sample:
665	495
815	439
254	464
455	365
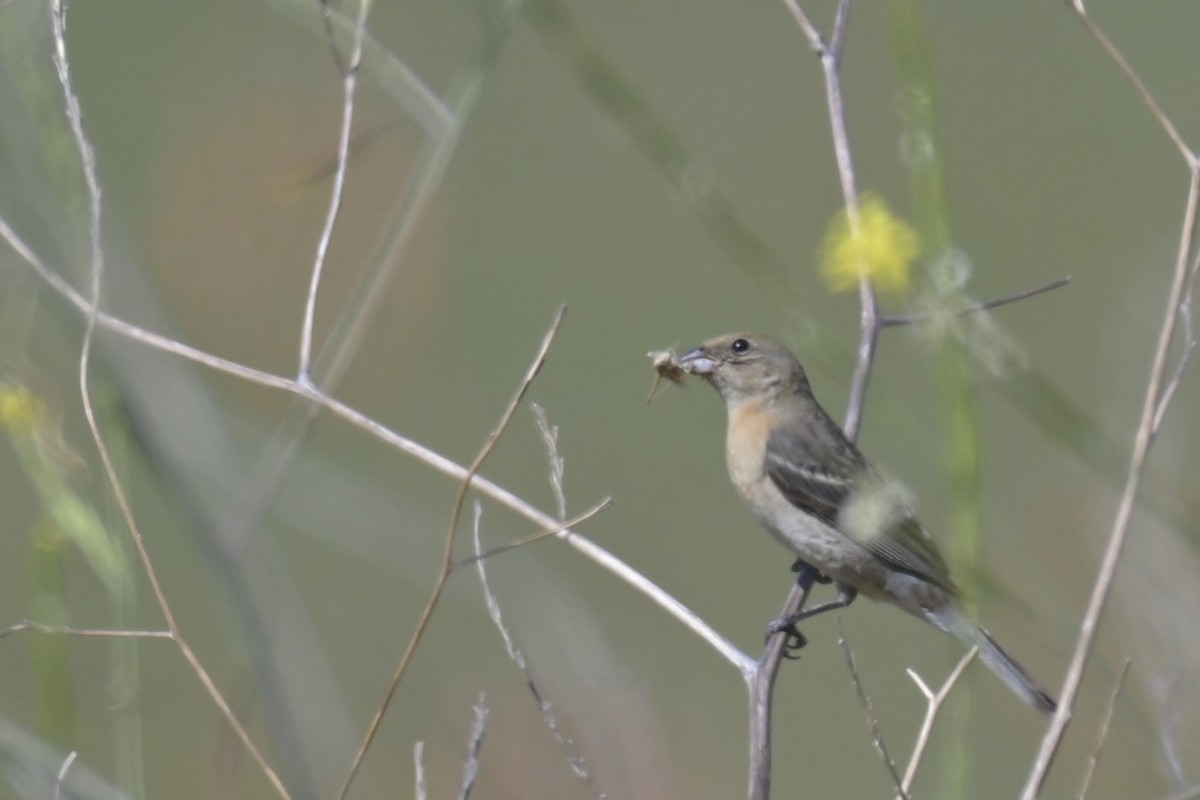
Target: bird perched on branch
809	485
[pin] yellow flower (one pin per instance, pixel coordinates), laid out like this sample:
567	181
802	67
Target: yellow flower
883	251
20	410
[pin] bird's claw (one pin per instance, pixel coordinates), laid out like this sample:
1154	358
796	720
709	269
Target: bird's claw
795	640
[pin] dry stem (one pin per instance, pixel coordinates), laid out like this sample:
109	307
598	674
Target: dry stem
1177	308
869	710
448	552
96	271
338	193
933	707
1102	736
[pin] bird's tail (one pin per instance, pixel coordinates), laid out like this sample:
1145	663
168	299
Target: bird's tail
1000	662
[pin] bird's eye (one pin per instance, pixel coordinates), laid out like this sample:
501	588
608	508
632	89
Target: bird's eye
740	346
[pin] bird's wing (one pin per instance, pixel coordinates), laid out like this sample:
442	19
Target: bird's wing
904	544
822	473
814	465
816	483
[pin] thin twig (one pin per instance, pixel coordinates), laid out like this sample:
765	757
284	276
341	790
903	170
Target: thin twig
914	319
867	345
474	749
841	23
869	710
566	526
870	321
815	41
319	397
419	767
87	158
442	120
574	759
1152	411
1142	89
869	318
448	553
1094	757
62	773
337	195
1120	528
1193	163
58	630
933	707
96	270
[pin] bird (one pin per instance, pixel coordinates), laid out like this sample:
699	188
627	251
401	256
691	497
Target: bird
809	485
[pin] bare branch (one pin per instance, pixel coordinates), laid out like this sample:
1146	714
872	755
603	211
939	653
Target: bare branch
987	305
566	526
870	322
87	155
1102	736
96	270
442	119
867	344
869	710
1144	437
815	40
933	707
435	460
1120	529
574	759
841	22
419	767
349	88
448	553
1131	75
762	689
471	768
1153	409
62	773
58	630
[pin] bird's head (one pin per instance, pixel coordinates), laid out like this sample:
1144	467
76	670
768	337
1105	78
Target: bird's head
746	365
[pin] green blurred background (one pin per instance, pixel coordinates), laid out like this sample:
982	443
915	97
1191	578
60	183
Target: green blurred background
665	170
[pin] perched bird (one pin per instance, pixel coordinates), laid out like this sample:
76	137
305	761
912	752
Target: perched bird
809	485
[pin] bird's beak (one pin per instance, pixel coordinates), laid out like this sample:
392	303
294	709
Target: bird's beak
698	362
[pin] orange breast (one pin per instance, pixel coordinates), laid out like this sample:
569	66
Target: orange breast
746	442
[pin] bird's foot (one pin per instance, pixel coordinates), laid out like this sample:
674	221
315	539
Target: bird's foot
795	640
